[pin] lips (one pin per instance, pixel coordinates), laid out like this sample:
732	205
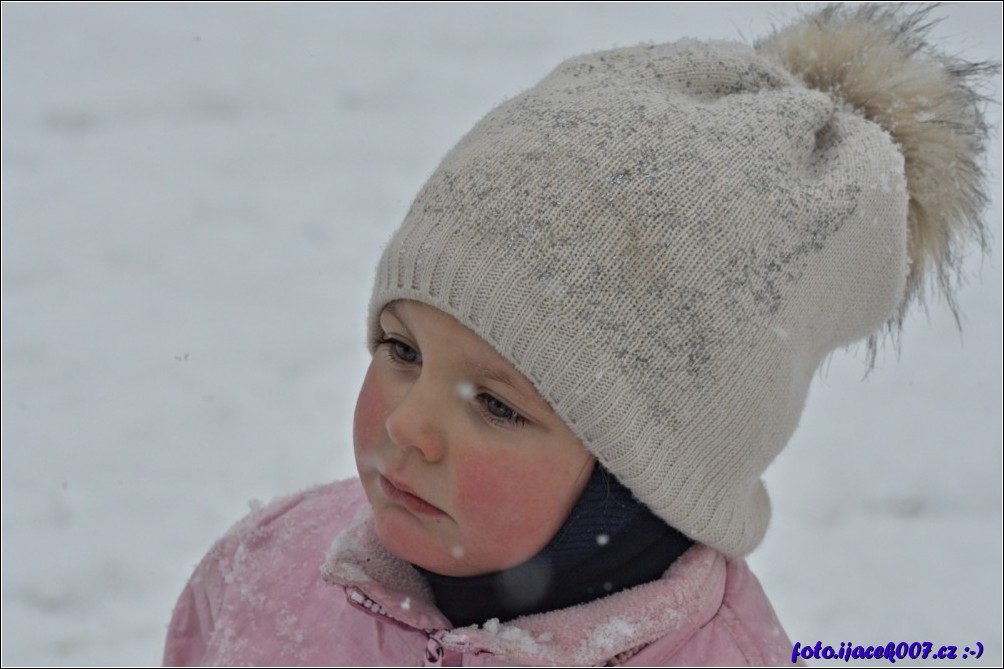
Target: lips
403	495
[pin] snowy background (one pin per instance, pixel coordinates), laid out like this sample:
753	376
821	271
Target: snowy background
194	197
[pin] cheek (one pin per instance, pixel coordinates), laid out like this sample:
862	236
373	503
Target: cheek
371	413
525	501
482	484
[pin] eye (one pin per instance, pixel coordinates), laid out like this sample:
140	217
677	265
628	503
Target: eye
401	352
498	411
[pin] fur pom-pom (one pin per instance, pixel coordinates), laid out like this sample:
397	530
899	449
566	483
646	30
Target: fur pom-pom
877	60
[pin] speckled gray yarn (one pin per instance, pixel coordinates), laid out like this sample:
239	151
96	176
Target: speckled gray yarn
666	240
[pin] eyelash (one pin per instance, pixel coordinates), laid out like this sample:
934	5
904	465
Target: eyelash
484	400
394	347
394	355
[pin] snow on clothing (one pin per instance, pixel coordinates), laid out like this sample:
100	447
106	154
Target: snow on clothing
258	597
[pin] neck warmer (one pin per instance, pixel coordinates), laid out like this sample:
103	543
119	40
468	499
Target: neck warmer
610	542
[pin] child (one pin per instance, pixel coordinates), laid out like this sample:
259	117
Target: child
594	330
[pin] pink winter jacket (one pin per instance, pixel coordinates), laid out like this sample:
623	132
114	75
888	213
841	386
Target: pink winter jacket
266	594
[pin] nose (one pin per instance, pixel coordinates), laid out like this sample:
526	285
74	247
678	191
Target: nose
417	423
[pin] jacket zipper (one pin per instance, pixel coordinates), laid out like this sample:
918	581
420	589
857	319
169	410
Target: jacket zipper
439	645
358	598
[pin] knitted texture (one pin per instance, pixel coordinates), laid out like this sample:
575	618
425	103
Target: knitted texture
666	240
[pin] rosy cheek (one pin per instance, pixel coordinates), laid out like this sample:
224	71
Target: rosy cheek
483	484
503	491
509	507
371	412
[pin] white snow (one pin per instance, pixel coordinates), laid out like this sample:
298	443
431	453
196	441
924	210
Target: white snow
466	390
612	635
516	637
194	198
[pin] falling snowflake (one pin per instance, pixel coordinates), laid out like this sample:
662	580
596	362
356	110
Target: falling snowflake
465	390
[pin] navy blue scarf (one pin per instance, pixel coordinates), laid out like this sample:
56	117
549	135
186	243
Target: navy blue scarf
610	542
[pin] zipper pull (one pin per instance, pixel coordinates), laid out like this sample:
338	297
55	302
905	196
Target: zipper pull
434	653
446	649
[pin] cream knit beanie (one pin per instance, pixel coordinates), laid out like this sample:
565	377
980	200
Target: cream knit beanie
667	240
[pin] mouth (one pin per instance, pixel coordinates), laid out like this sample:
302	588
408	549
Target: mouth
401	494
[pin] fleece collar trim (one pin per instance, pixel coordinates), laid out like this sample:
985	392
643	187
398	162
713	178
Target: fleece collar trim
671	608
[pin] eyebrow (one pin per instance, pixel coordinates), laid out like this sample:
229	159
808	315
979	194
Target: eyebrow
501	376
518	383
392	308
523	387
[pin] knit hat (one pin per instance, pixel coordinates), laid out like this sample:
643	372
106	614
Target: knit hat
667	240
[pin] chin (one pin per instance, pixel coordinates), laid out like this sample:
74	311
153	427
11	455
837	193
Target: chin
397	532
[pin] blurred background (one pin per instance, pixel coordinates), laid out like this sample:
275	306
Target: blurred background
194	198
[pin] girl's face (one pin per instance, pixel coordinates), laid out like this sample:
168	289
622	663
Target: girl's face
467	468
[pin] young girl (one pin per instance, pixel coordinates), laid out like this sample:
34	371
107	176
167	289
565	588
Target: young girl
594	330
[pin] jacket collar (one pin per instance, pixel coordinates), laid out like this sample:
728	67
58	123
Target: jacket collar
670	609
